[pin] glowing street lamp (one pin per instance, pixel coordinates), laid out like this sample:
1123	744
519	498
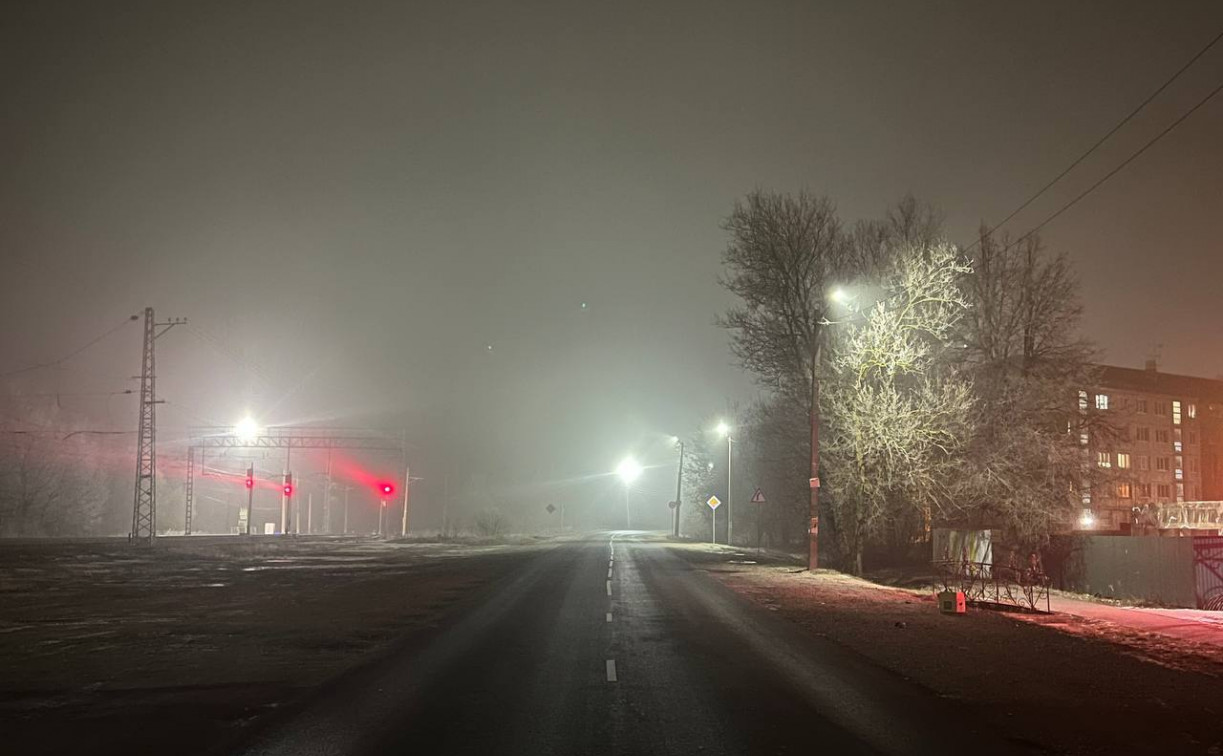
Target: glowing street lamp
629	470
246	430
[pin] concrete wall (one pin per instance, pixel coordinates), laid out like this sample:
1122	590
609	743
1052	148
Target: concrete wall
1136	568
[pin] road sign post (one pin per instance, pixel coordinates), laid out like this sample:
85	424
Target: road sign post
758	498
713	503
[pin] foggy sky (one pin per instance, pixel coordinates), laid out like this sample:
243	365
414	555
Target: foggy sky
352	201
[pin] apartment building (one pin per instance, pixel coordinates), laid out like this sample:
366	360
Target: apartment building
1161	457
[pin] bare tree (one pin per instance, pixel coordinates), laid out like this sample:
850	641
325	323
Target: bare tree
52	479
785	255
778	463
898	409
1028	469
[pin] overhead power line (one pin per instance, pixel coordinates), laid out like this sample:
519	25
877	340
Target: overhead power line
1104	139
1118	169
70	355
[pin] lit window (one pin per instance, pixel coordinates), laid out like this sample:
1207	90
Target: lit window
1123	460
1142	433
1104	459
1177	447
1144	462
1101	401
1083	438
1123	490
1176	413
1191	411
1082	400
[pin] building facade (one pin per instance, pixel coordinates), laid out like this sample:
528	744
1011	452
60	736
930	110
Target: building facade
1156	455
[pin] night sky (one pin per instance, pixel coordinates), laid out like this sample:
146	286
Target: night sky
352	201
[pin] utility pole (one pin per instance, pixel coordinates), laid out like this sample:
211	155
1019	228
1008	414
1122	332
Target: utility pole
327	498
679	488
188	510
730	493
813	530
347	489
407	484
144	500
310	513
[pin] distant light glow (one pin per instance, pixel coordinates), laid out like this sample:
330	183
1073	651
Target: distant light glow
723	429
1087	520
288	489
583	305
386	489
246	429
629	470
839	295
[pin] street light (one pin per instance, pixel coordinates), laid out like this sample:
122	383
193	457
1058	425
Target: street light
841	297
724	431
246	429
629	470
679	485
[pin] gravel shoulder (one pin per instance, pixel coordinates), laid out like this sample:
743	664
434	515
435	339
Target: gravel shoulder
106	649
1050	681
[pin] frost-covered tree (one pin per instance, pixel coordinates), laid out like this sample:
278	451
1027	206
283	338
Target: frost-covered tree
898	408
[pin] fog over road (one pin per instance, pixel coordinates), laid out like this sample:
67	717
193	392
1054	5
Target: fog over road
613	644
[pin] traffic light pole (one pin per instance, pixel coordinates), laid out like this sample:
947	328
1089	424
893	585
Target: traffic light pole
250	497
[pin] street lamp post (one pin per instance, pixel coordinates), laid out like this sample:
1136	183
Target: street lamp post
724	430
679	488
813	531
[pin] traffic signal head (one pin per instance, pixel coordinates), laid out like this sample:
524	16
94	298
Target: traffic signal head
288	489
250	482
386	489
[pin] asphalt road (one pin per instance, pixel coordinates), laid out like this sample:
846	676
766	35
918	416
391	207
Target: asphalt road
614	645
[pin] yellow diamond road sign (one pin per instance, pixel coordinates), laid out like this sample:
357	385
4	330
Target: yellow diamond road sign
714	502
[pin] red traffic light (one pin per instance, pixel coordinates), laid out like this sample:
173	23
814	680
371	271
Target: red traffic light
250	482
386	489
288	489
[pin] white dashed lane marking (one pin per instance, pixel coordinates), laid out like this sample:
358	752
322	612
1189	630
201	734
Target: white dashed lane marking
611	670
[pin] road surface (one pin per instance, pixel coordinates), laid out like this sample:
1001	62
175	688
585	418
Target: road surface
615	645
